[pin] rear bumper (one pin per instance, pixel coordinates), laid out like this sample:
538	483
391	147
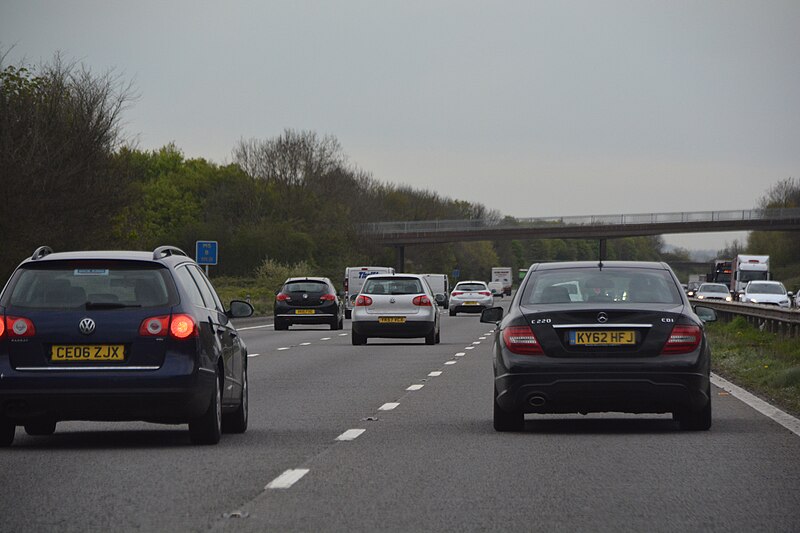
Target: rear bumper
167	394
460	308
408	330
317	318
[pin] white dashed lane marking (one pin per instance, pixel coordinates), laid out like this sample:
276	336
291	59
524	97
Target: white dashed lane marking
350	434
287	479
469	348
435	373
450	362
460	354
343	334
476	342
415	387
388	406
325	339
305	344
253	354
284	348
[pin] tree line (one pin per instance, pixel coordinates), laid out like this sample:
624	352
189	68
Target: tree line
70	179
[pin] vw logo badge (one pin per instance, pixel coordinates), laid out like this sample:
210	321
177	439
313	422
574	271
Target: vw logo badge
391	300
305	296
602	318
87	326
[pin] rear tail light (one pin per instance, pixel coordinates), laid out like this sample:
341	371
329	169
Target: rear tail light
178	326
485	293
2	327
683	339
521	340
19	327
457	293
422	301
327	297
182	327
363	301
282	297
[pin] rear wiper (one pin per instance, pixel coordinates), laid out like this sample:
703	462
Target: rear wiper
108	305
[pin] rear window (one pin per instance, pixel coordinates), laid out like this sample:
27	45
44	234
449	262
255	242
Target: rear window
305	286
611	285
80	284
394	286
470	287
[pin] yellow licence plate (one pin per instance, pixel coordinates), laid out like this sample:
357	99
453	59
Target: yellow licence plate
391	320
470	303
92	352
602	338
304	311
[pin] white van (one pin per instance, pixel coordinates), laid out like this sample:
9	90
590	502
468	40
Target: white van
440	284
353	281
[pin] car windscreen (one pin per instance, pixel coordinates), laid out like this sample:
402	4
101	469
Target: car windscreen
610	285
87	284
765	288
467	287
393	286
306	286
713	288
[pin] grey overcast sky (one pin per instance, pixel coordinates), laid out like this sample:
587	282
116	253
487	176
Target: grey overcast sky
533	108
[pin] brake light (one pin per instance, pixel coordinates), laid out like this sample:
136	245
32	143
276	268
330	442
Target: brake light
683	339
182	327
457	293
521	340
155	326
363	301
282	297
19	327
422	301
327	297
485	293
2	327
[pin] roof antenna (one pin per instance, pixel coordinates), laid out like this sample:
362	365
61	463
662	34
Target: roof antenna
602	253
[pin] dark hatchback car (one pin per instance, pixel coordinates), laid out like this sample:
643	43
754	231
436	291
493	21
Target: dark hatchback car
308	301
119	335
628	342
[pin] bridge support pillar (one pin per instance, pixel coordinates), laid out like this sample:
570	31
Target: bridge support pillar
602	251
400	258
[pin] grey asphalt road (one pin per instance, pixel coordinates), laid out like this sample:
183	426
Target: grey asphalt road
432	463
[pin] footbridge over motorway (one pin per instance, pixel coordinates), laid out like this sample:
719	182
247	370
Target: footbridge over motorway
602	227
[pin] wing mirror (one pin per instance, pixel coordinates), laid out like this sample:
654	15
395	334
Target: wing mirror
706	314
240	309
493	315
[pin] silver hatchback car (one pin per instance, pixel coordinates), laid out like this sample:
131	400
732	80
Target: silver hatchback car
470	297
395	306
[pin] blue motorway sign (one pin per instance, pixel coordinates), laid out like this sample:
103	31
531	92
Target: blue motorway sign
206	252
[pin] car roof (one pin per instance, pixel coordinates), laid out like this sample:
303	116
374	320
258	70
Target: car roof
471	281
161	254
308	278
395	275
594	264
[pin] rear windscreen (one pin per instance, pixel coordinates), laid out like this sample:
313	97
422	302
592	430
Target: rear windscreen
470	287
610	285
305	286
394	286
85	284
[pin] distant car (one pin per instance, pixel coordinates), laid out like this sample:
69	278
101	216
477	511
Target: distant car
496	288
119	335
470	297
640	349
395	306
765	292
713	291
309	300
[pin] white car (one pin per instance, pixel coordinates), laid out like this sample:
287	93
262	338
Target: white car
395	306
713	291
496	288
766	292
470	297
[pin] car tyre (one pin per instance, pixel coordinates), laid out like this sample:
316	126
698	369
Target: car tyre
505	421
236	422
40	427
208	428
430	338
452	312
7	432
699	420
348	314
358	340
281	325
438	337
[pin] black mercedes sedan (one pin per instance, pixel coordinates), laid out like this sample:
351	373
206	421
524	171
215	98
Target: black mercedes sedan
584	337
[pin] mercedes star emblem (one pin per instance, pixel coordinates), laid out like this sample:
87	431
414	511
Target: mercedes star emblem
602	318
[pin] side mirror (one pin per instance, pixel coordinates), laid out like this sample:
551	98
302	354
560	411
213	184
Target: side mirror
240	309
706	314
790	294
439	298
493	315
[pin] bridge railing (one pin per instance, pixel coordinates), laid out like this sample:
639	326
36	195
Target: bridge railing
427	226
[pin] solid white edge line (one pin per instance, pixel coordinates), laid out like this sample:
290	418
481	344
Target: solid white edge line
254	327
350	434
785	419
287	479
388	406
415	387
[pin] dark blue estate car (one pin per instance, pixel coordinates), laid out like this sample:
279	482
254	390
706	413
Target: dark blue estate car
119	335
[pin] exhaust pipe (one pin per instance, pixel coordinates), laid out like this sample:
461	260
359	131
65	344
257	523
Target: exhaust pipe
537	401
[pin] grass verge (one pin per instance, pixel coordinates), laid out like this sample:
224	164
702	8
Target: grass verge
765	364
